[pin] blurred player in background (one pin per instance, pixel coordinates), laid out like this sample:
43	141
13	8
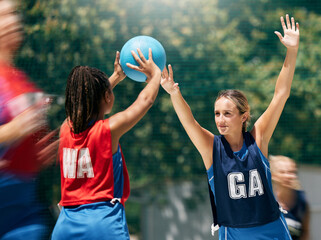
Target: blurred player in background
291	197
25	145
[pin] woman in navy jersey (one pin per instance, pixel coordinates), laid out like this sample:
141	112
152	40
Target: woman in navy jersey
236	160
290	196
94	177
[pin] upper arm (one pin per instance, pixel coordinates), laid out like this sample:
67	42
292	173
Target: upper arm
203	141
201	138
122	122
264	127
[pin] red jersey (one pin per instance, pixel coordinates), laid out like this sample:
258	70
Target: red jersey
14	82
16	95
86	166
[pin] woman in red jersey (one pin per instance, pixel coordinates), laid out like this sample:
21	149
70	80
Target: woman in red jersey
94	177
25	146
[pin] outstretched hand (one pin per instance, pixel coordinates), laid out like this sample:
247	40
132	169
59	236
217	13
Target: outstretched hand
291	33
146	66
167	80
117	68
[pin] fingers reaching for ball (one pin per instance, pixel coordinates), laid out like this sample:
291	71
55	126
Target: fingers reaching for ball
146	66
130	56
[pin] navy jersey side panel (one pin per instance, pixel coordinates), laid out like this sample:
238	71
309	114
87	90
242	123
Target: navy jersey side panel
295	216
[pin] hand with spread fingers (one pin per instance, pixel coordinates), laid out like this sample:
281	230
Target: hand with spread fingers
291	33
146	66
167	80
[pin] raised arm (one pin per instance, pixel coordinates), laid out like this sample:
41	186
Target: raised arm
265	125
123	121
201	138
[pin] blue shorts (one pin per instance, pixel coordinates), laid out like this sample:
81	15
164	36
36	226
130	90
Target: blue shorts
22	216
35	231
101	221
276	230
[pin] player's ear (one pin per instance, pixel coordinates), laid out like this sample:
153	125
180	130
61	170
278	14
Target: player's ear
108	96
245	116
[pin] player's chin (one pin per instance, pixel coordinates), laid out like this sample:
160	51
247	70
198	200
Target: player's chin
222	131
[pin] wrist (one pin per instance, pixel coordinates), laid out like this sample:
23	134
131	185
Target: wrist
292	52
174	92
155	74
114	79
115	76
293	49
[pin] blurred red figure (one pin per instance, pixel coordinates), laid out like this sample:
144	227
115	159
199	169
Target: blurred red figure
290	196
25	146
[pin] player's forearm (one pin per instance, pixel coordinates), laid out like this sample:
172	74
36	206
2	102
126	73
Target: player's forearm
114	79
149	93
182	109
284	81
9	132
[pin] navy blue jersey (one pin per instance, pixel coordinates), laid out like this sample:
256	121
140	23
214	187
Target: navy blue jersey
242	194
295	216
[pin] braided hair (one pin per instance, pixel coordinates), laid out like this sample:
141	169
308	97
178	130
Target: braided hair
85	88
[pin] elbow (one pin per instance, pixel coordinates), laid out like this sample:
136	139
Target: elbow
147	101
285	96
282	94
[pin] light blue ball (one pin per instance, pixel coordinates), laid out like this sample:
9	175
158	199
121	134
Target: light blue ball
143	43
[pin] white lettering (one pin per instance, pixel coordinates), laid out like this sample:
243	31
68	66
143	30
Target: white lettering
256	185
236	191
69	162
84	164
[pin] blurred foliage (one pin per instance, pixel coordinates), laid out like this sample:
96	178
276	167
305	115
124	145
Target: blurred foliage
211	44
